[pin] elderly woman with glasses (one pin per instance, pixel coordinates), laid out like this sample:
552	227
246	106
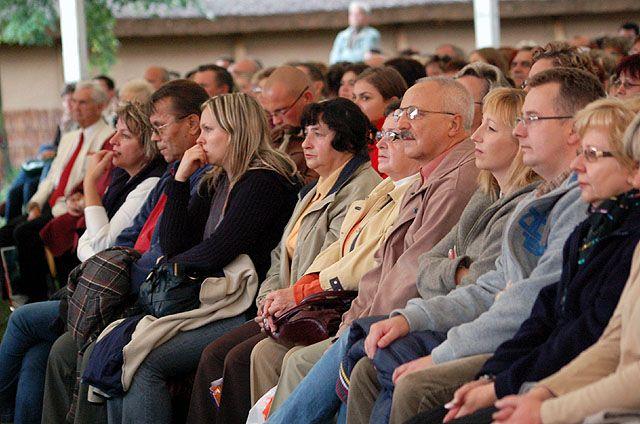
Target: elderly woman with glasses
374	89
572	314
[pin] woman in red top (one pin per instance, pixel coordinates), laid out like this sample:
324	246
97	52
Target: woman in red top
374	90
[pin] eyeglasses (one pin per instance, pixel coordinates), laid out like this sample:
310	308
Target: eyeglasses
392	136
628	85
414	113
284	111
591	154
529	119
160	130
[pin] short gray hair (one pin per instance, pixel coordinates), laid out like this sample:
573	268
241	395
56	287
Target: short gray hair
492	75
455	98
360	5
97	92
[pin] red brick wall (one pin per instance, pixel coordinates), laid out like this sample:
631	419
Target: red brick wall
27	130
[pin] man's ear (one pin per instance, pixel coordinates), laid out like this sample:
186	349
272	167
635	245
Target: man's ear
455	126
308	96
194	124
573	139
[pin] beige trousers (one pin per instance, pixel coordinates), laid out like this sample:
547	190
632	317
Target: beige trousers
273	364
416	392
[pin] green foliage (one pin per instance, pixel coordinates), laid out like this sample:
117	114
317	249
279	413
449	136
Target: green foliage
36	22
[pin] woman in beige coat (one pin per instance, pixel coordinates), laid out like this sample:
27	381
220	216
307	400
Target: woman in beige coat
605	376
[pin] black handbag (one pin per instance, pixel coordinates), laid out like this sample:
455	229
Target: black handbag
170	289
316	318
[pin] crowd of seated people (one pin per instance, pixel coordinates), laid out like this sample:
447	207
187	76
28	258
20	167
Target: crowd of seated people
424	238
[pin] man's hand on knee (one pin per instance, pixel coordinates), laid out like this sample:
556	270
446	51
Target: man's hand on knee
383	333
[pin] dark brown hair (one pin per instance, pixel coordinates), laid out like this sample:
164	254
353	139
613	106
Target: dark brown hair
186	97
386	80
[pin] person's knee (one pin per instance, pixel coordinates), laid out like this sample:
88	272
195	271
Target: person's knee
363	374
239	356
18	320
213	356
63	353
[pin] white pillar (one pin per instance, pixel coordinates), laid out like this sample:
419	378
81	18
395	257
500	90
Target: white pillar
73	32
486	20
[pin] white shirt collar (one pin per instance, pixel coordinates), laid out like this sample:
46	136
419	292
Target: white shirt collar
405	180
92	129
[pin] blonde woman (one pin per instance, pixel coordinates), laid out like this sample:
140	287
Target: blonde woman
244	204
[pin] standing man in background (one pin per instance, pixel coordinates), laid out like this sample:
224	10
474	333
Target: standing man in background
352	43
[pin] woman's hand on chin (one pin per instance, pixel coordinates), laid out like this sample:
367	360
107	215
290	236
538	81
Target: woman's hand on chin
193	159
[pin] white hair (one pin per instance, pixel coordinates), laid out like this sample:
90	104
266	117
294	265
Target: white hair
138	90
455	98
97	92
490	74
360	5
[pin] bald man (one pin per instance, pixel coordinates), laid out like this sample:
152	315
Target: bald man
156	76
242	71
285	94
244	67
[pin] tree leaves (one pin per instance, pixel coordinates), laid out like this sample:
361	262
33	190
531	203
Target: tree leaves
37	22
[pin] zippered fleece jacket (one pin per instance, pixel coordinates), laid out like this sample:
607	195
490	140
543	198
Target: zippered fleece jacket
481	316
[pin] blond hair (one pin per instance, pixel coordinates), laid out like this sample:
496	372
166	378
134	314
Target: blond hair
242	117
136	118
613	116
505	105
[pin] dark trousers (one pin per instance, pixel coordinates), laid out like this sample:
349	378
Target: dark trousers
21	190
435	416
228	357
25	235
60	383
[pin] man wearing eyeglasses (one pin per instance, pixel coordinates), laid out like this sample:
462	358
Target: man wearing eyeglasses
175	119
477	318
284	95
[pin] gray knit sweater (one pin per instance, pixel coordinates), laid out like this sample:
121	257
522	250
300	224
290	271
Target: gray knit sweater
476	238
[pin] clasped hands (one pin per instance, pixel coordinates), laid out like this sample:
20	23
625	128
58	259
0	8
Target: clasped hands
273	306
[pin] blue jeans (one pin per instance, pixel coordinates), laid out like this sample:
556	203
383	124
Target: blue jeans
315	398
148	399
23	361
21	190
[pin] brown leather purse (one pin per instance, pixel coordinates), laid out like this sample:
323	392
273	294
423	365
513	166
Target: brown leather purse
316	318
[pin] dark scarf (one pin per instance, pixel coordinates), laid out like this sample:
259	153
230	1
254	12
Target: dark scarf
121	185
605	219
